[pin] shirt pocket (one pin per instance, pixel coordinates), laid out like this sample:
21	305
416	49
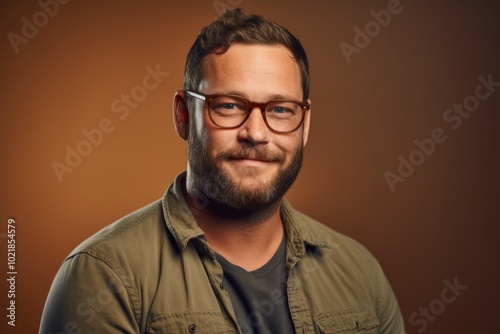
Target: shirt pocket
190	323
347	321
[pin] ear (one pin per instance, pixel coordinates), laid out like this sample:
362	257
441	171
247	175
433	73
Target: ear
307	124
181	114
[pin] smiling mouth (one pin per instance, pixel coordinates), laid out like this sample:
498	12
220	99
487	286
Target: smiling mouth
251	157
250	161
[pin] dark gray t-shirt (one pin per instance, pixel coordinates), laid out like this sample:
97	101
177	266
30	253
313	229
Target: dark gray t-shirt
259	297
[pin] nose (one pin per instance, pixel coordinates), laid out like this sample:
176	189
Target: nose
254	130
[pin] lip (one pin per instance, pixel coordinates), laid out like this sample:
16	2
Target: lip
250	162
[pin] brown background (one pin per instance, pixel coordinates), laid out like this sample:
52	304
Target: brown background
441	223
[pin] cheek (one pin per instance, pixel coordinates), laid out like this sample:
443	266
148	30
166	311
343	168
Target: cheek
214	139
221	140
289	144
197	123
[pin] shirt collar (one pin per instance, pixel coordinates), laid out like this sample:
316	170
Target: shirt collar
182	223
178	216
299	231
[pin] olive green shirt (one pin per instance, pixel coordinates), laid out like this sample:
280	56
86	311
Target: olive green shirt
153	272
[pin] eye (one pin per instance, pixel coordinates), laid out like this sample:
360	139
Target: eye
280	110
228	104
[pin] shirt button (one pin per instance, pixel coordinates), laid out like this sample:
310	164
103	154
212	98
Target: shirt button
192	328
357	325
221	285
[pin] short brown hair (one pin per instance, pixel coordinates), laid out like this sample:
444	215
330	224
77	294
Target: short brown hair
234	27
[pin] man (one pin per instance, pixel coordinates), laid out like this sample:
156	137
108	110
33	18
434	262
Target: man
223	251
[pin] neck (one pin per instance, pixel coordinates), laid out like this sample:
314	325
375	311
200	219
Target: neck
246	238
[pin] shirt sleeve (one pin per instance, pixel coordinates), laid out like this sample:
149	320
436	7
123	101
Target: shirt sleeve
88	296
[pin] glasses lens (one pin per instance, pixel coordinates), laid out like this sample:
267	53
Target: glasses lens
228	111
283	116
231	111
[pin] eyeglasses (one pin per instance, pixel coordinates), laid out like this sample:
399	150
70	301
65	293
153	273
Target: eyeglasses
230	111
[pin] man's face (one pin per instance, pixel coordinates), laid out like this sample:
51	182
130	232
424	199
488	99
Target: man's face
249	167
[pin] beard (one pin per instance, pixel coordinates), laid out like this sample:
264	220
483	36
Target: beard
210	183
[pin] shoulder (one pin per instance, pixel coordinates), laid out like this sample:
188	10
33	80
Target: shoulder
348	268
108	271
337	242
338	255
135	233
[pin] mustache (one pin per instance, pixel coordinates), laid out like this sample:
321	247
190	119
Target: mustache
255	153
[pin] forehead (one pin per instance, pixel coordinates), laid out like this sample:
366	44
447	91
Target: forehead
256	71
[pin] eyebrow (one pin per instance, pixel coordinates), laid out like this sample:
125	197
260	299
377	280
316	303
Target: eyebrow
269	98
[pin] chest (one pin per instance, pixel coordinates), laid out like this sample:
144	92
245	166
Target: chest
191	297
